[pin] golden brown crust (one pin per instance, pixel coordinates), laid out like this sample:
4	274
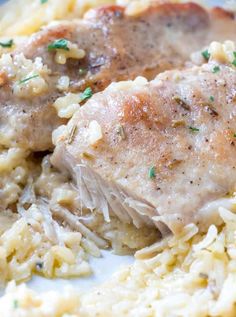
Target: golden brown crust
220	13
173	8
3	78
163	9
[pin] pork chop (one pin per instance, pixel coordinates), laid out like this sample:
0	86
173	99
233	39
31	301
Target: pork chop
112	46
156	150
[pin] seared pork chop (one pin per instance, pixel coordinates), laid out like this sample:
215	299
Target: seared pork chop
116	47
161	148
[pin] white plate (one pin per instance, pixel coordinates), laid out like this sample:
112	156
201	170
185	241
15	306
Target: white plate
102	268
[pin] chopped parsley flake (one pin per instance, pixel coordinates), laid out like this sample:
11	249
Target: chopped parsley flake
15	304
60	44
216	69
212	98
86	94
152	172
234	135
7	43
193	129
234	61
206	55
43	1
27	79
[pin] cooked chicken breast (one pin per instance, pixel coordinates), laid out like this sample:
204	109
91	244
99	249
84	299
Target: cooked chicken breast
107	45
120	47
156	150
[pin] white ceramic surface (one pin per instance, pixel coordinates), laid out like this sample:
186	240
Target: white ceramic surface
102	268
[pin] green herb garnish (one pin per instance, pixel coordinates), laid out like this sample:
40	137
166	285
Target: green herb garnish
60	44
193	129
234	135
234	61
7	43
22	81
212	98
206	55
216	69
43	1
86	94
152	172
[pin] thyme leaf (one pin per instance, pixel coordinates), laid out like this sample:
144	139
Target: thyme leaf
22	81
60	44
193	129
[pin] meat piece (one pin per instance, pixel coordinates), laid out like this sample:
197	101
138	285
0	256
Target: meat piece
27	122
116	46
161	148
120	47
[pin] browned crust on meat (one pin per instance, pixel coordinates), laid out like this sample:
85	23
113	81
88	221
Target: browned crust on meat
221	13
174	8
139	108
3	78
165	9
